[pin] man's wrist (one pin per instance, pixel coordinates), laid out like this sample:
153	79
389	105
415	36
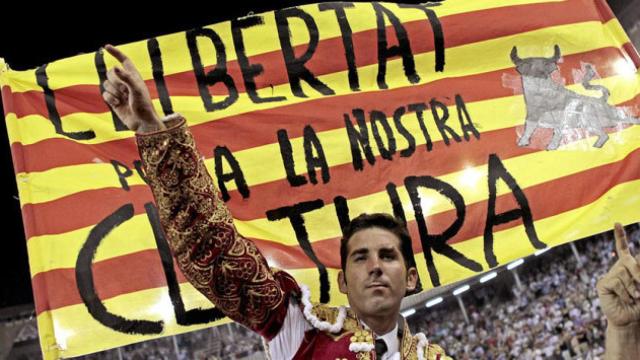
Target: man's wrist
167	123
150	127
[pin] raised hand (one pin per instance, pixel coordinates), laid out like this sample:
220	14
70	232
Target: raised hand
619	289
128	96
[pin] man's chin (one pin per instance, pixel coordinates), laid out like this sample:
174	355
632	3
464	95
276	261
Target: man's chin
378	305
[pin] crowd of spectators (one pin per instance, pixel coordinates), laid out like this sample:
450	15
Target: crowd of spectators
555	315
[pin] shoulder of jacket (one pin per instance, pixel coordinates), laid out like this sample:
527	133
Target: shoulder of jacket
436	352
324	317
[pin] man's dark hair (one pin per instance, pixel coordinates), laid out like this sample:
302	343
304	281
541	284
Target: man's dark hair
383	221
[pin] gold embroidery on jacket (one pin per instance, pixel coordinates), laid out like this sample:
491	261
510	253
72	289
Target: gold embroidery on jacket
227	268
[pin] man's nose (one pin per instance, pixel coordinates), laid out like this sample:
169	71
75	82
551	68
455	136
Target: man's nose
374	265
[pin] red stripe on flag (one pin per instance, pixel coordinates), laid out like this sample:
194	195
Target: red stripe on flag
112	277
633	54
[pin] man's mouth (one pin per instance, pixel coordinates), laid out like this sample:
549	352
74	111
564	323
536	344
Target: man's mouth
377	285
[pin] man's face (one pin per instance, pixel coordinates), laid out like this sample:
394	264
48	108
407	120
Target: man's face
375	278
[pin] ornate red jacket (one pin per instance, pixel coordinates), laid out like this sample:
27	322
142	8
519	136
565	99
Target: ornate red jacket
231	272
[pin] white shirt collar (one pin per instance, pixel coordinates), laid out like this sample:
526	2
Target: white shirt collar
391	339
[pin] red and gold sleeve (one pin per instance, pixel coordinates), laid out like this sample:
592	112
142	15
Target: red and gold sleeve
226	267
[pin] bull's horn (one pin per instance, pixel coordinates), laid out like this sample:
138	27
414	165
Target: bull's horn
556	53
514	56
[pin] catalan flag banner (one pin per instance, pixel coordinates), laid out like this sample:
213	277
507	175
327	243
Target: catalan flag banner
494	128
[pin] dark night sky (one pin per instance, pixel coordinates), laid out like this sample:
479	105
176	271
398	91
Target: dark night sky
29	39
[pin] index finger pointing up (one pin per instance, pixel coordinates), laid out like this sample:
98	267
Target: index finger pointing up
624	254
622	245
119	55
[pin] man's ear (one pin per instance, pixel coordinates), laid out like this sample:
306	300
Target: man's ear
342	282
412	279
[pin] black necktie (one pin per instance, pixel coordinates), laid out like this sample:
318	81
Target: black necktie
381	348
